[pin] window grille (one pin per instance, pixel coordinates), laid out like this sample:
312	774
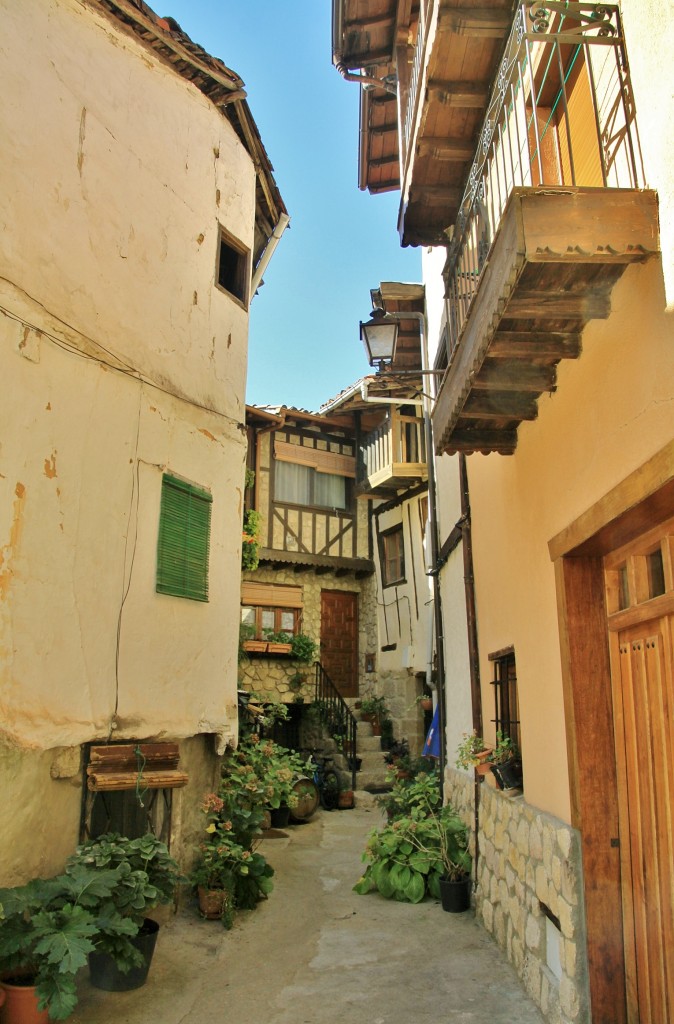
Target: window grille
506	703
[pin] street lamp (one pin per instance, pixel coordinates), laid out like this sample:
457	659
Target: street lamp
380	336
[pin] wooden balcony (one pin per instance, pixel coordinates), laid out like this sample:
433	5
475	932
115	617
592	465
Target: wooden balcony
392	457
550	270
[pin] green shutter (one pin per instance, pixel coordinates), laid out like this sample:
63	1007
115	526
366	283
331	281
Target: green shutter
184	539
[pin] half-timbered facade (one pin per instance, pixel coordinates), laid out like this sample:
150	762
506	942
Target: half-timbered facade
548	296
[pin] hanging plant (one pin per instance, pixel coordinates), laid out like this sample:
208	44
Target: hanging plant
250	547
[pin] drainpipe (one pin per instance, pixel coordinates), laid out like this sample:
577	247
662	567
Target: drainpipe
269	250
471	621
338	56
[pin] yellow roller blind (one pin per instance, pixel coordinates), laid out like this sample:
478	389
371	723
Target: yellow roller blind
271	595
324	462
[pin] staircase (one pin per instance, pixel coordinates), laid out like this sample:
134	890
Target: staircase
372	774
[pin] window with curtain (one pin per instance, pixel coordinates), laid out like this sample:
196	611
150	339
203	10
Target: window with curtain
303	485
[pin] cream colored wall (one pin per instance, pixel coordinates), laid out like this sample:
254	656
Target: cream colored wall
108	251
113	224
612	410
649	31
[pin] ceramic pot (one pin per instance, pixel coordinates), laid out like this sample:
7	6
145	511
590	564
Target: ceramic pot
212	902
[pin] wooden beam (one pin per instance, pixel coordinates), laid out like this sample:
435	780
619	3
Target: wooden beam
482	22
502	441
434	193
497	375
383	161
446	149
383	129
535	345
541	305
506	404
469	95
371	22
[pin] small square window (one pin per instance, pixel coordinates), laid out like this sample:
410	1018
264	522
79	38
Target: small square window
233	269
392	556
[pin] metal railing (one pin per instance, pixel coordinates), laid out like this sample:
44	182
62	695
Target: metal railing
399	439
336	717
415	76
560	114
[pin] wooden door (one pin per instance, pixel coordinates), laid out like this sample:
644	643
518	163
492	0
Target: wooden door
339	639
642	659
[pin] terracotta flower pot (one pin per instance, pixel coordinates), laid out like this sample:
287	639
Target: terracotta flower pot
345	799
212	902
20	1004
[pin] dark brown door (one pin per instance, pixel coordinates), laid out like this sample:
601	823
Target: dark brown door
339	639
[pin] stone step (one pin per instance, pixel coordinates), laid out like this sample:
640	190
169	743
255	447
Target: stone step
368	744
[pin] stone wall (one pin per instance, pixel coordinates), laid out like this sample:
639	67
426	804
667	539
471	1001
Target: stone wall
529	895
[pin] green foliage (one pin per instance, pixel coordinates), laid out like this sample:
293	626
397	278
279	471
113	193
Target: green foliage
303	648
250	546
419	795
47	929
468	749
505	749
147	876
422	843
249	479
375	706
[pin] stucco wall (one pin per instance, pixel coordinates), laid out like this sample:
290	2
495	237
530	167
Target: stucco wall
119	172
612	410
121	360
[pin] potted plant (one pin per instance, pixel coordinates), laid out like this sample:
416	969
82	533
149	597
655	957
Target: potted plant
374	709
424	701
277	643
472	752
506	763
48	927
147	877
303	647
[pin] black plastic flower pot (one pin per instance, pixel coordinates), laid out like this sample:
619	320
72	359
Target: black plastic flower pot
280	816
508	774
104	972
455	896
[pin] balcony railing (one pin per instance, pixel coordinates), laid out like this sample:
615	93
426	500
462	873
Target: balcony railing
415	75
394	448
560	115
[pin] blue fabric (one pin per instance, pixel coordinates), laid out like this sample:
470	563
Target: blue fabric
432	744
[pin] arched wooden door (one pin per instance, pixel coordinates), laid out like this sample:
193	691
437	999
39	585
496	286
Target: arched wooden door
339	639
640	598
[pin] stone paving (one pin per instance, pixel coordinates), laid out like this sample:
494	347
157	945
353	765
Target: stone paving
317	953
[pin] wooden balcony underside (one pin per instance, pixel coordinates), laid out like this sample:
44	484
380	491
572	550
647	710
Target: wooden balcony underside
550	270
388	481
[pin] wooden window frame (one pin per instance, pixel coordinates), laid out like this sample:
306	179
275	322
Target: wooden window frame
233	282
183	539
506	703
279	611
348	508
384	538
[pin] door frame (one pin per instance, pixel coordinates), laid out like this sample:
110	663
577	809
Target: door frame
639	502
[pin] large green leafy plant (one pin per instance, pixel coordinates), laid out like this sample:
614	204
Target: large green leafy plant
49	926
146	876
422	843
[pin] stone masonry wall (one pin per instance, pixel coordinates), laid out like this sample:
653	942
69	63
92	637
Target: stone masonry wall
529	861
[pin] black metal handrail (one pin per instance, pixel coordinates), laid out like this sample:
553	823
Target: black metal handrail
335	715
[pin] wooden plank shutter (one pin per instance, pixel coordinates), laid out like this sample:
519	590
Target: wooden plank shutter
130	765
184	540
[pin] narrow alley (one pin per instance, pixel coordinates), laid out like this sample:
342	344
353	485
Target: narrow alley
317	953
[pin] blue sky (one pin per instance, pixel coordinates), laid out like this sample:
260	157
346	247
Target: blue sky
303	345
